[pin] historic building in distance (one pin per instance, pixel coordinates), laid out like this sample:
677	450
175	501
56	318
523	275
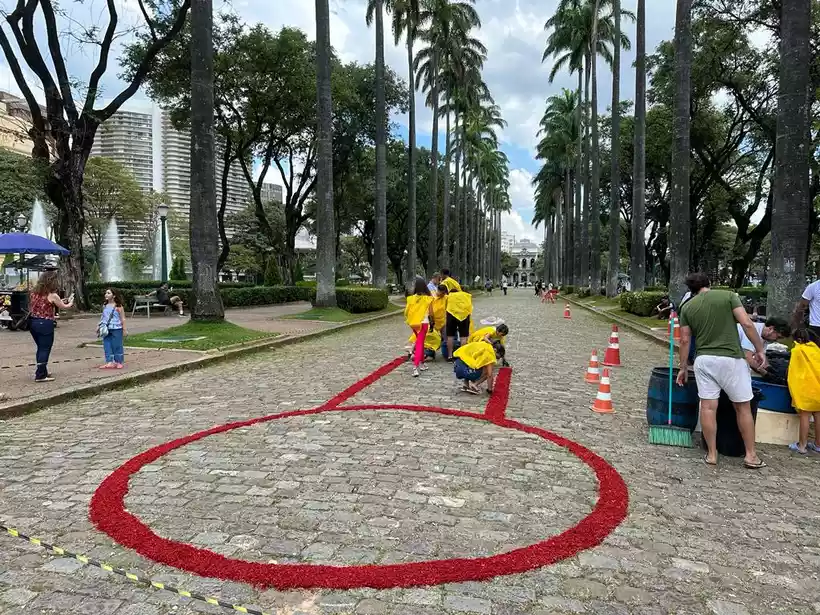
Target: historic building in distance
526	253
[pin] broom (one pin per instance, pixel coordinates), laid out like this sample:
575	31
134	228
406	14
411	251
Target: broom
669	434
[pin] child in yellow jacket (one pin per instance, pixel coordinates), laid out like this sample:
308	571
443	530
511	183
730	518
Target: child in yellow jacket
418	314
804	386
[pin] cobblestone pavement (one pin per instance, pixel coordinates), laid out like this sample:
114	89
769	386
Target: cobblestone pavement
392	486
73	365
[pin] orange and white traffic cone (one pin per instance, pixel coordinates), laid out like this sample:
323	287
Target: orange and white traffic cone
676	327
612	356
567	313
603	401
593	372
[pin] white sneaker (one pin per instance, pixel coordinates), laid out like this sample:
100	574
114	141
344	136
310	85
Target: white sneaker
423	367
415	372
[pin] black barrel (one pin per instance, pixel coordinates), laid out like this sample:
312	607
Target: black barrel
685	400
729	442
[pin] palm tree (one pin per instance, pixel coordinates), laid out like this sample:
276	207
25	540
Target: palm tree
445	32
375	12
615	172
325	231
679	241
207	304
790	217
405	23
638	257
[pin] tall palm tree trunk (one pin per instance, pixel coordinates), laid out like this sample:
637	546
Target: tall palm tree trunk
595	188
679	241
791	213
456	194
446	233
582	209
411	172
325	216
432	239
591	159
615	173
380	247
580	176
204	237
638	253
462	220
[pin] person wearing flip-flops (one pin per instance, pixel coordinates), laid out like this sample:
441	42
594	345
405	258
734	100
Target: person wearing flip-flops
804	386
712	317
474	364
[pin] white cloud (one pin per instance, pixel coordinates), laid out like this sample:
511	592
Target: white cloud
518	221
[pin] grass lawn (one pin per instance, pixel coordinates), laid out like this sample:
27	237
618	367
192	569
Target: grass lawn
338	314
645	321
213	334
601	302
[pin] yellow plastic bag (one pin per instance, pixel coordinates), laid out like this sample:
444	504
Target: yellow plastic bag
804	377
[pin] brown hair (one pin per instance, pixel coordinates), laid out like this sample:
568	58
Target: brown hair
48	283
117	296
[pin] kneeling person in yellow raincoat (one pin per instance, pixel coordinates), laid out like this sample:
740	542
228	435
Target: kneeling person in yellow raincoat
474	364
804	386
432	342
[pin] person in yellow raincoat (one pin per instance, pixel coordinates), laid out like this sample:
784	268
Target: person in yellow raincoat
474	364
418	314
440	308
451	283
804	386
497	333
459	309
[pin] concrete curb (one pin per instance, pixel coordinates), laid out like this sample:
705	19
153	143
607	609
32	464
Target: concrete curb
661	340
31	405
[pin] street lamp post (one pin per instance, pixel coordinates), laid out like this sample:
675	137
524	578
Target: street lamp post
22	221
162	210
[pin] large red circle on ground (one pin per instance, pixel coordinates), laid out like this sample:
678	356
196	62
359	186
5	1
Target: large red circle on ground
108	513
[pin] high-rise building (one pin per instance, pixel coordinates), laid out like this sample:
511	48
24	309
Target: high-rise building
175	173
15	122
272	192
507	241
128	138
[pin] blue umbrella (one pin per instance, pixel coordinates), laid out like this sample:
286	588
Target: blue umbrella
25	243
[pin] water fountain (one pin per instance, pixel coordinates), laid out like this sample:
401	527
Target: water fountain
112	269
158	250
39	222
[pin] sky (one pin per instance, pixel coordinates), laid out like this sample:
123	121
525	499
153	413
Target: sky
512	30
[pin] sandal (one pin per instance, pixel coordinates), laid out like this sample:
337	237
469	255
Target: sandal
709	463
795	447
814	447
755	466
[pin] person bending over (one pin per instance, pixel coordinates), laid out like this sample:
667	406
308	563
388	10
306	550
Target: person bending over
459	308
771	331
474	364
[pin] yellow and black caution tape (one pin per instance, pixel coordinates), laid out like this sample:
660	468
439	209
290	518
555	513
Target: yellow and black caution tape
134	578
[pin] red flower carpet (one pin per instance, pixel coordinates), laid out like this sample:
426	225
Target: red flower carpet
108	513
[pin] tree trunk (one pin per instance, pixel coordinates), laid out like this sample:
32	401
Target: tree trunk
456	213
445	223
325	221
791	214
679	241
207	302
593	221
638	256
463	204
615	173
380	248
225	244
432	239
580	188
411	172
581	269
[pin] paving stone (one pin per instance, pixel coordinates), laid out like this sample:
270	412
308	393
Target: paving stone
721	607
466	604
17	596
63	565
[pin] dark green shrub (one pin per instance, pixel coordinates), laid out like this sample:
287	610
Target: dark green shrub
298	273
177	273
360	300
755	293
569	289
656	289
584	291
641	303
264	295
272	275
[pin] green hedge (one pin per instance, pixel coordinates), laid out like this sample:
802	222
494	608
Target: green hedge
569	289
359	300
584	291
656	289
641	303
312	283
232	295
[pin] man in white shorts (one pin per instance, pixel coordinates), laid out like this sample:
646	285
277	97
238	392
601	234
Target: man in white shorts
810	300
712	317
